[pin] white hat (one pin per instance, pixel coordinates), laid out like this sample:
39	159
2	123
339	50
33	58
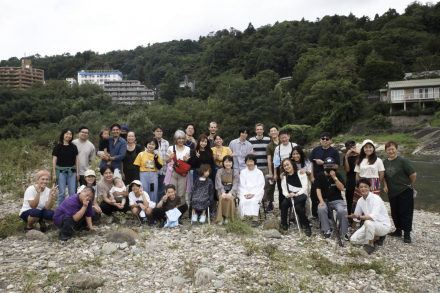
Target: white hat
137	182
89	173
368	141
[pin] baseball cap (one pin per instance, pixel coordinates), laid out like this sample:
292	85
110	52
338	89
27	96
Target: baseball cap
329	162
89	173
125	127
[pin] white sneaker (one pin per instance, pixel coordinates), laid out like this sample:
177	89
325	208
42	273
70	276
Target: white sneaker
194	218
202	219
328	233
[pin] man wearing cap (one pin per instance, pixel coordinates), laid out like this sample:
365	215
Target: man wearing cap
86	152
317	156
349	163
329	185
124	131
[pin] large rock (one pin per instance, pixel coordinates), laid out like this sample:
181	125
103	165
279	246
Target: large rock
204	276
83	281
119	237
175	280
272	233
108	248
130	232
36	235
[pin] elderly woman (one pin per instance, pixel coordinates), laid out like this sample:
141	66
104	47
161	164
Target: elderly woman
398	183
178	151
251	189
227	182
38	201
103	188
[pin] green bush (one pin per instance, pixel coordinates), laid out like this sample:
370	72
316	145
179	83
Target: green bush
300	134
381	108
379	122
436	121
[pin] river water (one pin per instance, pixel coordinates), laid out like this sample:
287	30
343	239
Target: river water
427	183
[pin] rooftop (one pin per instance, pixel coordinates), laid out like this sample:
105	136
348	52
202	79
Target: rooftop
100	71
414	83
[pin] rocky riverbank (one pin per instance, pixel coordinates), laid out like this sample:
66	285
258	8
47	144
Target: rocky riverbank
208	258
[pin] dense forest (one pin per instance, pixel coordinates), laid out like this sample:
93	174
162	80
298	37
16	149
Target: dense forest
334	61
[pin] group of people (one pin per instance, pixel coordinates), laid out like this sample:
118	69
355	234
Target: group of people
160	182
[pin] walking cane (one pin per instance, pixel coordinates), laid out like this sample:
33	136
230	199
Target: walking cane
296	217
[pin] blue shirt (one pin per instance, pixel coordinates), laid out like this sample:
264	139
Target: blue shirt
241	150
69	208
117	151
319	153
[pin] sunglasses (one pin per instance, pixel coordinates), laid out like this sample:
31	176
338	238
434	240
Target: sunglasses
325	138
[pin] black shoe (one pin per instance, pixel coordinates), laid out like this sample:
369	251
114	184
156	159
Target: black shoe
328	233
380	240
407	237
397	233
162	223
64	237
347	237
369	249
284	227
43	227
269	208
292	220
309	231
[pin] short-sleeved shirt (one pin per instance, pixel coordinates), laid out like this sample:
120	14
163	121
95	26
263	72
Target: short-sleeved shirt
222	153
30	194
366	170
284	151
171	204
241	149
351	175
259	146
86	153
66	155
81	188
319	153
103	187
328	187
145	161
69	208
180	155
104	144
403	169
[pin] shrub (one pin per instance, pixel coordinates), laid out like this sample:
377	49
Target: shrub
300	134
379	122
381	108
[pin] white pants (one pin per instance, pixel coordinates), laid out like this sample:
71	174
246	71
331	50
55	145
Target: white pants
368	231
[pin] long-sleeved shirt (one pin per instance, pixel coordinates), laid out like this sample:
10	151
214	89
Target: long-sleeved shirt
117	150
235	181
374	207
241	149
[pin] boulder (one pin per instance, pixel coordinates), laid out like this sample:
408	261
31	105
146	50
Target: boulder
175	280
83	281
119	237
108	248
272	233
130	232
36	235
203	276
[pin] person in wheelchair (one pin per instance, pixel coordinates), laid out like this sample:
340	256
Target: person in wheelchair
202	194
226	183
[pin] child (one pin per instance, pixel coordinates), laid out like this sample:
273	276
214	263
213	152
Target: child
104	144
202	194
170	201
140	203
118	186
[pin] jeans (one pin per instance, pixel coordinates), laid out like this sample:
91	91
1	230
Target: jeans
63	180
161	187
47	215
147	178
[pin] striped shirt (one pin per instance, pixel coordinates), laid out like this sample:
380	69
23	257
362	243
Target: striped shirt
259	146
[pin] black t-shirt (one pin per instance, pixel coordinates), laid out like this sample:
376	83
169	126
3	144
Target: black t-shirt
293	180
104	144
351	163
66	155
196	162
319	153
328	186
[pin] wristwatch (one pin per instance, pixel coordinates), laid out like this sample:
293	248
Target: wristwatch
359	217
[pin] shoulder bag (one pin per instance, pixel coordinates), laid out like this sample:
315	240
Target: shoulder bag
181	167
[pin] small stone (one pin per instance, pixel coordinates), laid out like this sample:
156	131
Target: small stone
119	237
83	281
109	220
228	272
262	282
218	284
203	276
372	272
35	251
272	233
175	280
123	246
108	248
10	287
430	276
269	281
221	232
51	264
136	251
36	235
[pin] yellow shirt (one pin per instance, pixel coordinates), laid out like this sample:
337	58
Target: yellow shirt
223	152
145	161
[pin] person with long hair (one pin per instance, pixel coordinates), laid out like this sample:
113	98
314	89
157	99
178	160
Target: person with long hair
227	182
201	155
368	166
65	164
398	183
349	163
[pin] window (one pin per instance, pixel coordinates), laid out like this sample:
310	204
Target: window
397	95
425	93
436	92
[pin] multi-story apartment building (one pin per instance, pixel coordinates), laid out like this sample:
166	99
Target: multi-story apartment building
98	76
21	77
128	91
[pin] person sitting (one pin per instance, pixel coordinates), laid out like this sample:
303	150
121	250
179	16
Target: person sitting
202	194
140	203
329	185
37	203
75	213
90	179
119	187
251	189
226	182
295	187
168	202
377	223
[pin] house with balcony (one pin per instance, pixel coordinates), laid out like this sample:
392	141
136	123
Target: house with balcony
128	92
403	95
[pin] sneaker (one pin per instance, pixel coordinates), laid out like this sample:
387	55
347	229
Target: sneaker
161	223
64	237
202	219
380	240
397	233
309	231
269	207
407	237
284	227
347	236
194	218
369	249
328	233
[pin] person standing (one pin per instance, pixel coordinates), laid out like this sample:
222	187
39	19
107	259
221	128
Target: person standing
398	183
65	164
130	171
240	148
349	163
118	149
316	157
86	152
201	155
282	151
124	131
212	132
162	152
270	150
190	142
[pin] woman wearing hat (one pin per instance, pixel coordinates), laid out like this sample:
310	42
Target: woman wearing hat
140	203
90	178
368	166
149	164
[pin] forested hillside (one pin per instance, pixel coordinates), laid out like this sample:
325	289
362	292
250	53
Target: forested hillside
334	61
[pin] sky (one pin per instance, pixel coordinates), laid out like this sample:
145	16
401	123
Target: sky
53	27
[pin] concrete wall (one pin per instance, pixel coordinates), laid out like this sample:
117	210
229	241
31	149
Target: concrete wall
406	121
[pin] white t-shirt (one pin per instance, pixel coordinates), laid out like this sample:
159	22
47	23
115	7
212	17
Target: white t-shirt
118	189
133	199
284	151
307	166
30	194
369	171
180	155
81	188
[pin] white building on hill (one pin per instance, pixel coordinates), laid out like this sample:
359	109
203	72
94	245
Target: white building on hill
98	76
